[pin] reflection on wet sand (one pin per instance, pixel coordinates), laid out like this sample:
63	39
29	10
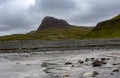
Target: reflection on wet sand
67	64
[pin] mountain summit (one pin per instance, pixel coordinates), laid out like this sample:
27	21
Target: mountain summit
51	22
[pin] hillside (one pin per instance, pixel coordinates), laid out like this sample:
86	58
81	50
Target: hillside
106	29
51	29
50	34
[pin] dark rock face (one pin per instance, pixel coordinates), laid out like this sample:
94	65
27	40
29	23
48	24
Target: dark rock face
51	22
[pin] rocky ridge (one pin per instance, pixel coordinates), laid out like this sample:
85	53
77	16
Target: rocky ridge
51	22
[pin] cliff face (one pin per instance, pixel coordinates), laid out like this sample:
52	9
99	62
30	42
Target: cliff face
51	22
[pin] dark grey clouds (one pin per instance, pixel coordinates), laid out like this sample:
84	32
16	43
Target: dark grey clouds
55	6
14	17
20	16
95	11
2	1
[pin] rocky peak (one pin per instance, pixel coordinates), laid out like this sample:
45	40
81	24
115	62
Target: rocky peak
51	22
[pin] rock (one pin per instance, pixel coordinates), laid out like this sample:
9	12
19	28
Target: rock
66	75
111	73
92	59
28	64
94	74
115	70
87	59
17	63
44	64
116	64
51	22
114	58
88	74
68	63
108	59
97	63
46	71
103	62
81	62
72	66
103	59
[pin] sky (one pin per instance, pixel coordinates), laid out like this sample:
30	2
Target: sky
22	16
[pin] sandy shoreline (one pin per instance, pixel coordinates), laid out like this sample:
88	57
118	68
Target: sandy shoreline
28	65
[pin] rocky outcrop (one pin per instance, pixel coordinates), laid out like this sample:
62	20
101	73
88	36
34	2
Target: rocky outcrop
51	22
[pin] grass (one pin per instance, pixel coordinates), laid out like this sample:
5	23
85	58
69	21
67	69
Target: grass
51	34
106	29
117	17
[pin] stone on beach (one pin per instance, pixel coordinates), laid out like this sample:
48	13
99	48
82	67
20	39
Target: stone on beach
87	59
115	70
92	59
95	73
68	63
103	59
97	63
81	62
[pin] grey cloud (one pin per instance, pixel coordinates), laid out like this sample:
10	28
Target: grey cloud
96	11
55	7
14	18
87	12
2	1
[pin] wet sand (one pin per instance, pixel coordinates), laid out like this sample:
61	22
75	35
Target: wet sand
55	64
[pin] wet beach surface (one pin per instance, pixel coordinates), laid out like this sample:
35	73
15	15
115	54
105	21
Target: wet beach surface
61	64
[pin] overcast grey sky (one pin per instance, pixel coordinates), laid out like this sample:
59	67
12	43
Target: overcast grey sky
21	16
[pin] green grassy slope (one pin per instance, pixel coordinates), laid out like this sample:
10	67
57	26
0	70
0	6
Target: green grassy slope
106	29
51	34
